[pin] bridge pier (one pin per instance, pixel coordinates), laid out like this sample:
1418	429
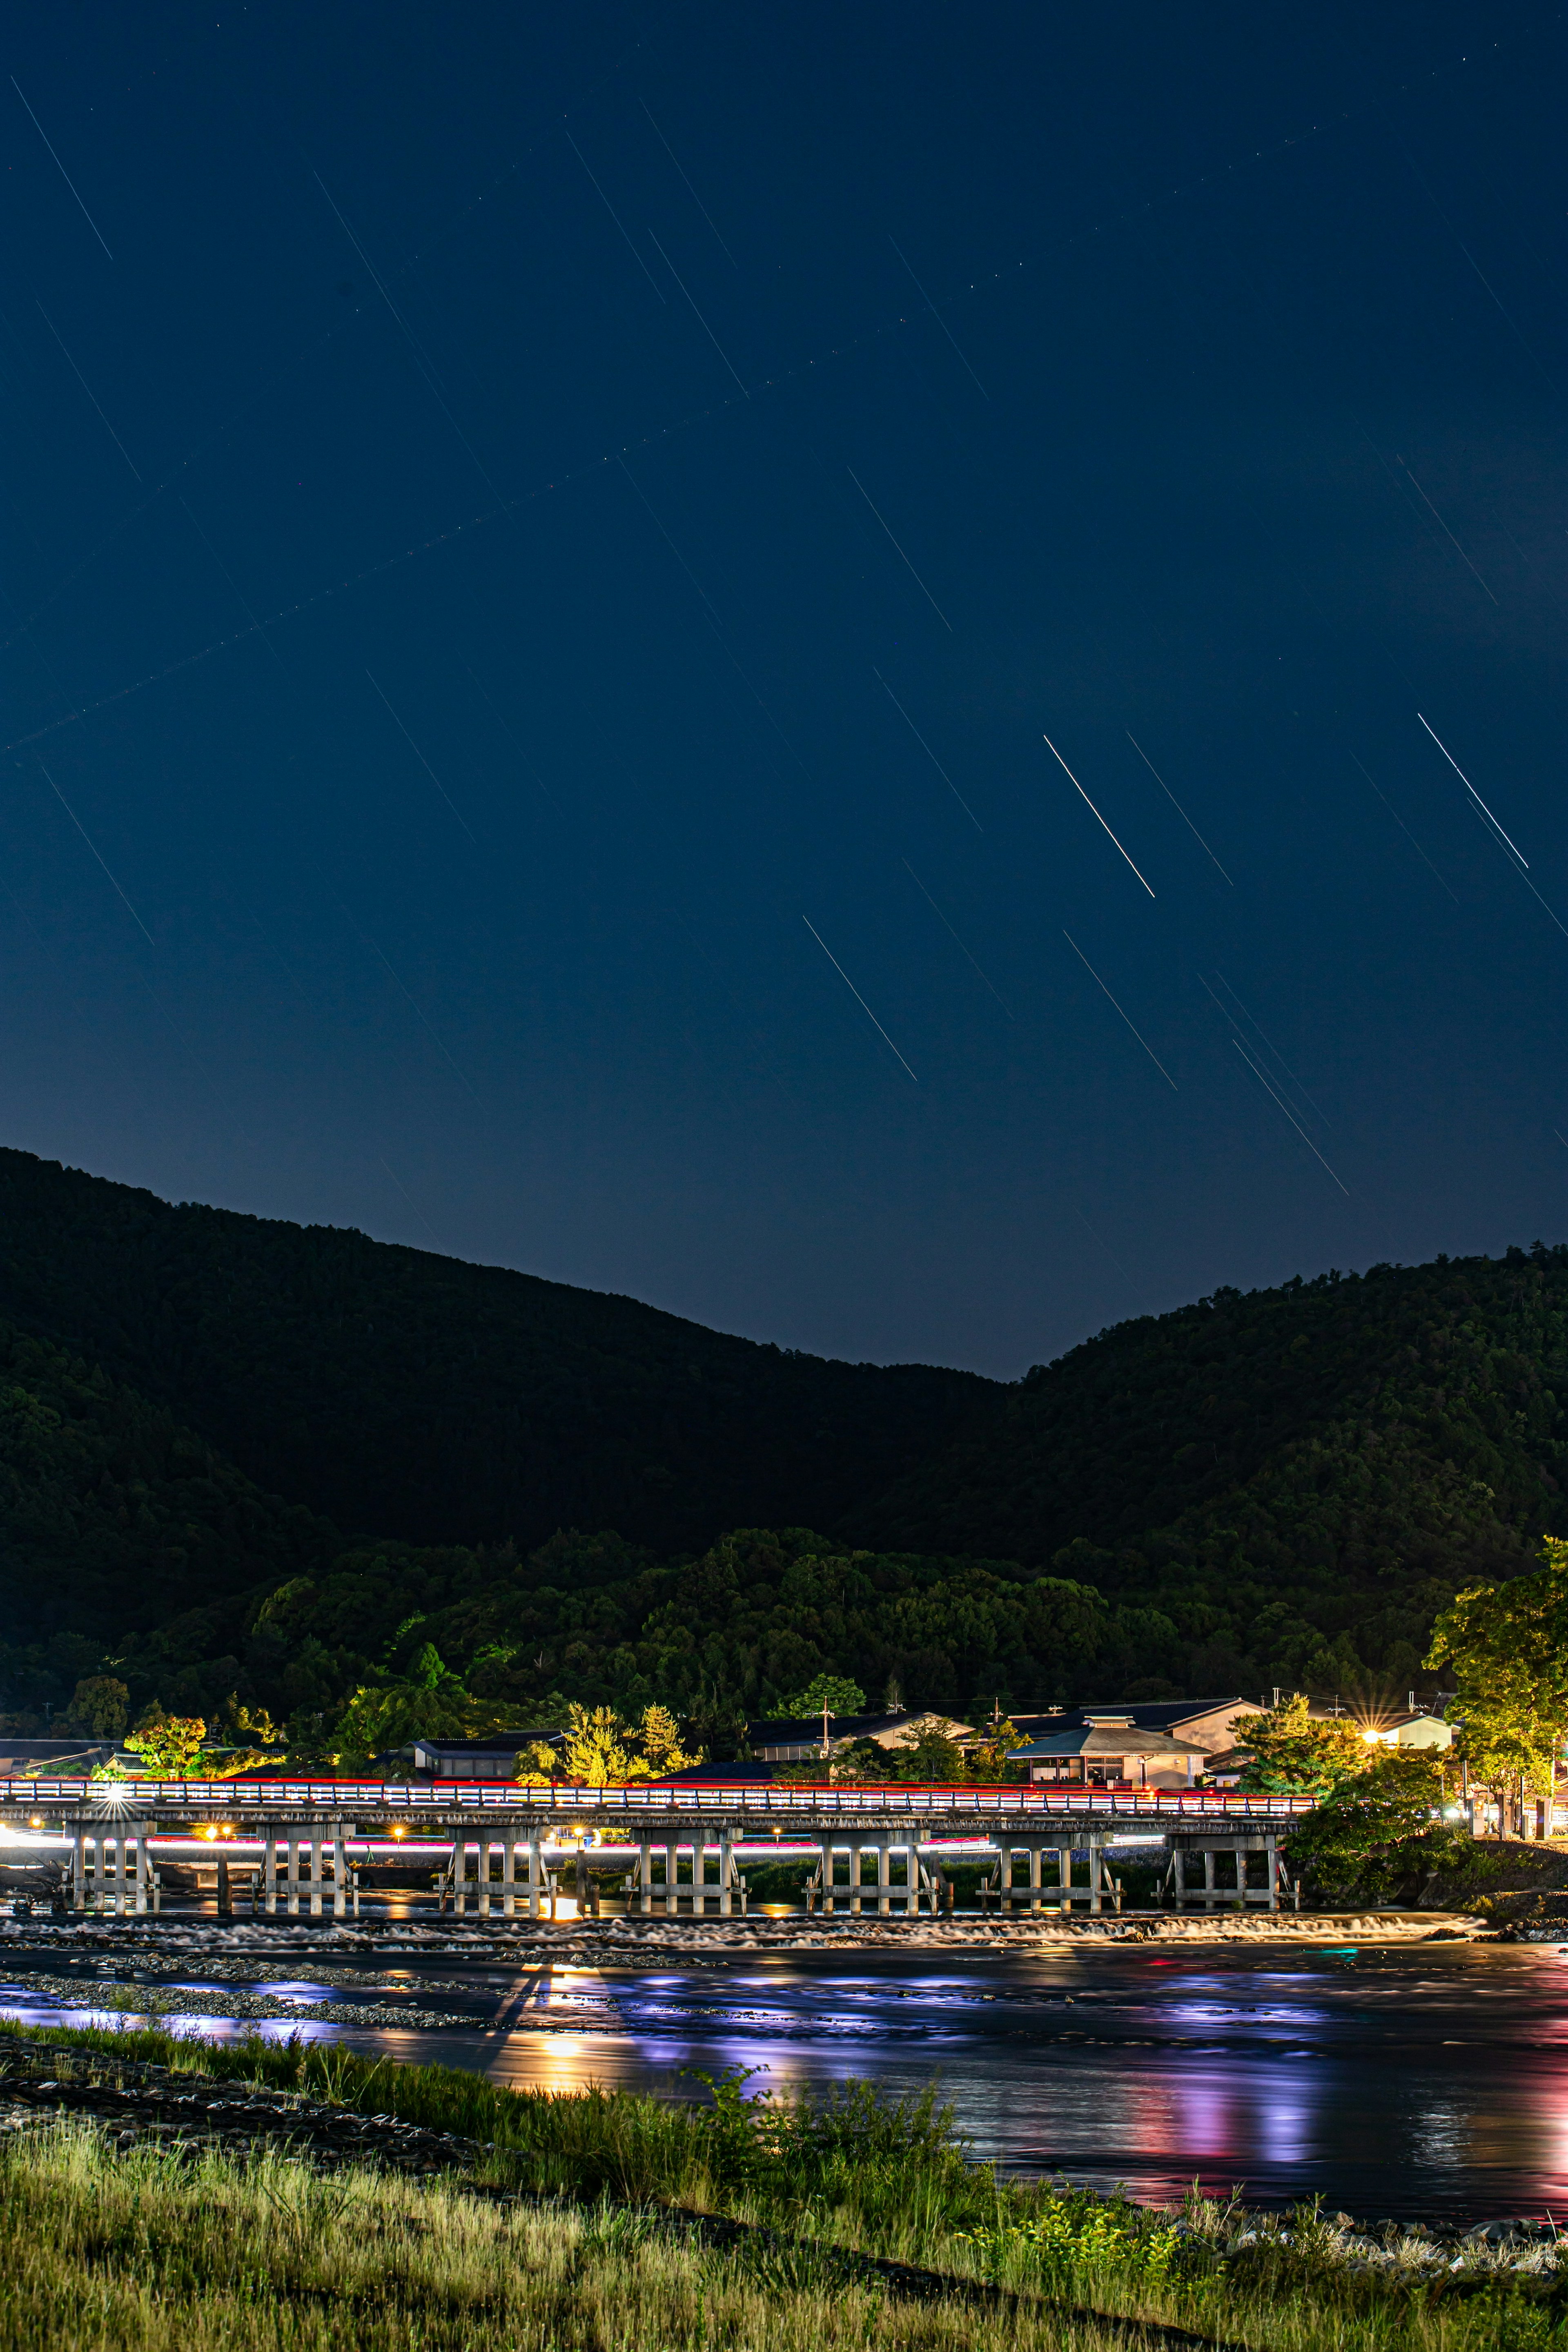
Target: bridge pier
303	1834
1186	1846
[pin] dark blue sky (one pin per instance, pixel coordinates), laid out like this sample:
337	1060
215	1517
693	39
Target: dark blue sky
478	576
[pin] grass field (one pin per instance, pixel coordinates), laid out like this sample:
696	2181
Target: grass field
191	2253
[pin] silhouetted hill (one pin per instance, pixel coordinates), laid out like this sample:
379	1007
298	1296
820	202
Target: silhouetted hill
403	1395
113	1516
1279	1487
1296	1478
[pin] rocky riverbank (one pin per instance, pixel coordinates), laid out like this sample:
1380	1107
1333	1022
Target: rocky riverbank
599	1942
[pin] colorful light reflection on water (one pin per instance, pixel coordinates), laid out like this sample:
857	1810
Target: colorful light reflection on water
1394	2081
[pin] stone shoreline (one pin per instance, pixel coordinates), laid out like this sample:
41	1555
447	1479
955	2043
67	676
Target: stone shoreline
605	1941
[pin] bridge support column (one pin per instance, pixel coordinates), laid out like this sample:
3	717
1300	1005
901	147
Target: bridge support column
484	1877
315	1873
1096	1877
645	1876
509	1876
698	1873
1271	1862
1036	1857
120	1882
1005	1878
340	1873
671	1879
726	1876
1209	1880
292	1898
884	1878
535	1873
142	1876
268	1872
826	1875
857	1871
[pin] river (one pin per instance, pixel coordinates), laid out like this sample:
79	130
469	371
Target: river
1388	2079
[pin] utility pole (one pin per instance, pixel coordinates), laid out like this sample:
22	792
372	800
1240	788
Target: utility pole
826	1711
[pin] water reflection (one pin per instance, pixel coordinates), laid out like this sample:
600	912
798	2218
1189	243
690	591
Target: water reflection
1385	2082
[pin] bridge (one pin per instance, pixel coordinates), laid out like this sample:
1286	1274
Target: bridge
503	1845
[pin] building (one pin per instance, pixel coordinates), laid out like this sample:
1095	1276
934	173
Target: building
1416	1729
1201	1723
1110	1752
72	1759
494	1759
797	1740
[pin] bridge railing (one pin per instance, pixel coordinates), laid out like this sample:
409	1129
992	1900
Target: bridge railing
650	1797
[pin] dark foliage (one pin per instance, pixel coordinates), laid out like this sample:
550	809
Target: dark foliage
1297	1478
403	1395
1277	1489
111	1515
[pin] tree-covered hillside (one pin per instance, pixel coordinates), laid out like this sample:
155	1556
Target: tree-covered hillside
407	1395
1282	1487
113	1516
719	1639
1298	1478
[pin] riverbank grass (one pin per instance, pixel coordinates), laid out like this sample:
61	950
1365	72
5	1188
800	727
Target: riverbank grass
552	2235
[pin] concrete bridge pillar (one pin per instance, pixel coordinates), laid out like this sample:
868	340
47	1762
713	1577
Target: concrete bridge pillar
645	1876
78	1872
1036	1857
315	1873
141	1877
671	1879
535	1873
509	1876
726	1876
340	1873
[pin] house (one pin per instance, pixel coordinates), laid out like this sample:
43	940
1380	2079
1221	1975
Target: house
797	1740
1416	1729
1110	1752
1202	1723
69	1760
494	1759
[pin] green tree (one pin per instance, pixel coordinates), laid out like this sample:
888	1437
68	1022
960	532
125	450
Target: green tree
1377	1829
601	1751
1296	1755
1506	1645
658	1739
989	1755
836	1693
430	1701
925	1753
100	1703
171	1746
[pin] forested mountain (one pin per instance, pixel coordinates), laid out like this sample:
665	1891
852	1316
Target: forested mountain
111	1515
1298	1478
247	1458
403	1394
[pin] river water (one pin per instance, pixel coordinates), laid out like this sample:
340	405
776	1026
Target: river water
1388	2079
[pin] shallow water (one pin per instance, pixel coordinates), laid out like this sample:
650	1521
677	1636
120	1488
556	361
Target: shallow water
1388	2080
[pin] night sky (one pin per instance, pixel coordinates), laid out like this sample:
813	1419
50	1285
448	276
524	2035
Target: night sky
532	535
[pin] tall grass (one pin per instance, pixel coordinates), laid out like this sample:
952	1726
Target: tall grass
851	2169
